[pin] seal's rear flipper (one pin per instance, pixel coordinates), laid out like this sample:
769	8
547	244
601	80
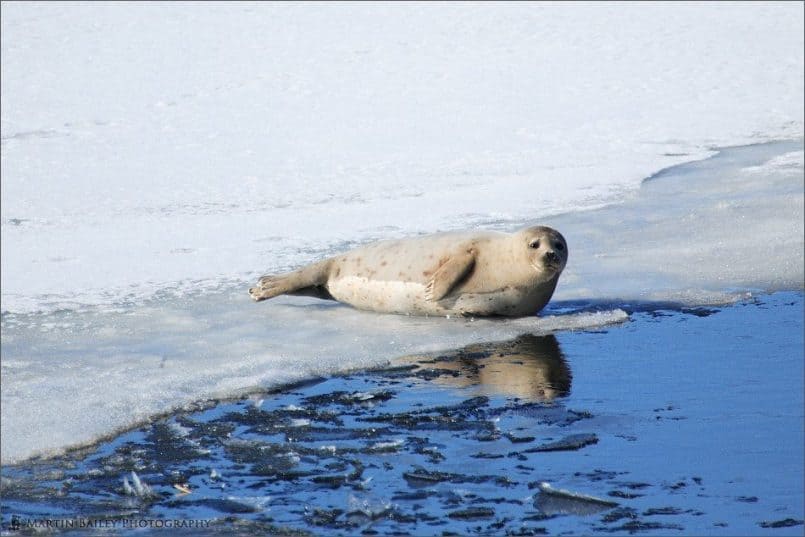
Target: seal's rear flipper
307	281
271	286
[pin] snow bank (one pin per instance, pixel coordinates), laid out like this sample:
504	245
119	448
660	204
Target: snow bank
147	146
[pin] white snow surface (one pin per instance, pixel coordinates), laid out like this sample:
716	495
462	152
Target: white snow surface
153	145
158	157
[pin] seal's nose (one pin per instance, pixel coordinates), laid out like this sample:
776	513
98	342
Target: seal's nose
551	257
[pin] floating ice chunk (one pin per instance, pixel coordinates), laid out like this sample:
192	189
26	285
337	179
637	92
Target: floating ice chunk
370	507
183	488
300	422
179	430
387	446
253	503
137	487
553	501
141	488
256	401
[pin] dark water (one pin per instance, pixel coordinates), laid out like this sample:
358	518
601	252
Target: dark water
677	422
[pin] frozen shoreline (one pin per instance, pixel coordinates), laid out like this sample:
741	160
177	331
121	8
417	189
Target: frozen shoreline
158	157
179	349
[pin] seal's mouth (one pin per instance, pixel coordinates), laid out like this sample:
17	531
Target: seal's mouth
553	266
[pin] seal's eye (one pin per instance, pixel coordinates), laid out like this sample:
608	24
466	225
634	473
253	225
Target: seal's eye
534	244
559	246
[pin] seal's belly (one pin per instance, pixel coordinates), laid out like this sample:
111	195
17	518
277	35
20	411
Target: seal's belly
383	295
404	297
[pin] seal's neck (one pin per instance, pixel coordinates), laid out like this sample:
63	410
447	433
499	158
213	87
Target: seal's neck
543	293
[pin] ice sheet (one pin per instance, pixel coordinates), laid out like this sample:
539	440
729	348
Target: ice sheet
704	232
148	146
71	377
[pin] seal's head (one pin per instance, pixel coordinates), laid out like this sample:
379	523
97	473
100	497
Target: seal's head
545	248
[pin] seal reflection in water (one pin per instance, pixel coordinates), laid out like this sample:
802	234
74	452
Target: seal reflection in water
461	273
529	367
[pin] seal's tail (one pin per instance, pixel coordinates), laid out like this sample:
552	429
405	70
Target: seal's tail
304	281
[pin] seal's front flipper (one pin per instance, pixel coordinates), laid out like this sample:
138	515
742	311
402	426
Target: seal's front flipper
449	274
300	282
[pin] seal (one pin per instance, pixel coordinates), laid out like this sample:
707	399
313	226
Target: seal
455	273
